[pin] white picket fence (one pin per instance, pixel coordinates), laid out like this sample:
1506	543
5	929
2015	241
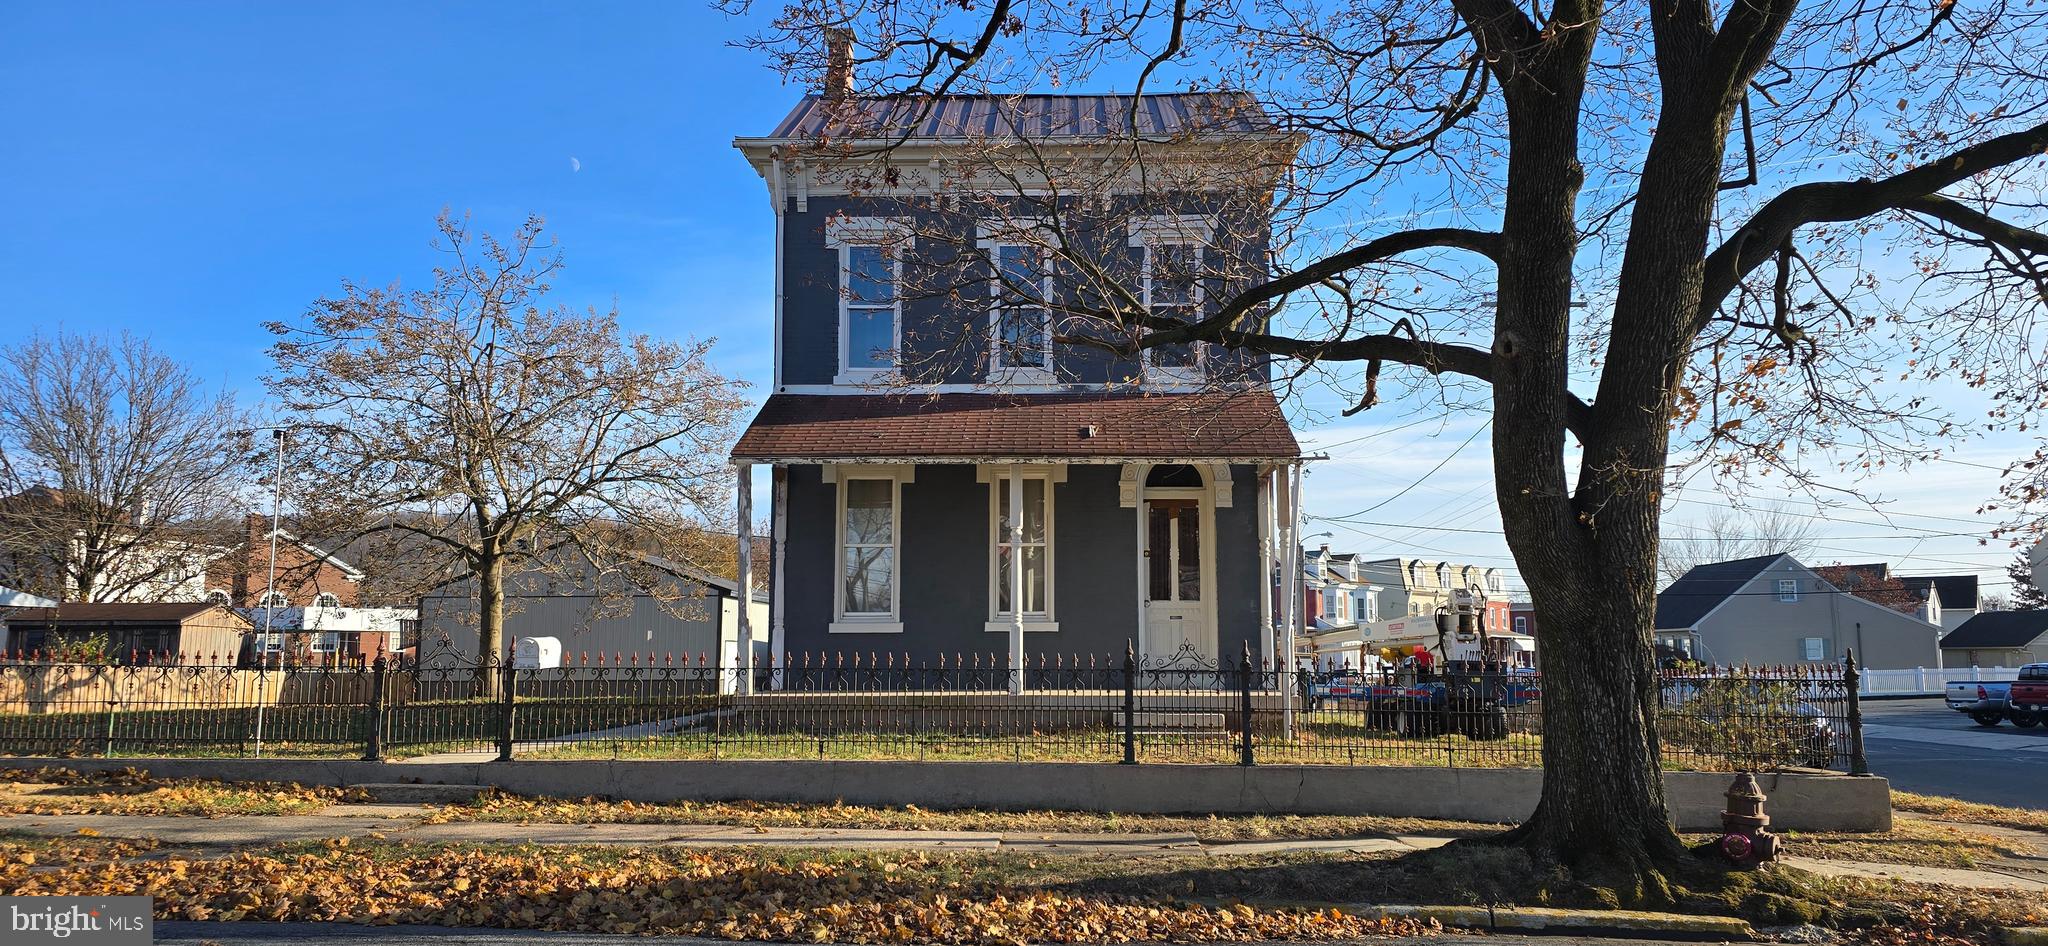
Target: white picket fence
1926	680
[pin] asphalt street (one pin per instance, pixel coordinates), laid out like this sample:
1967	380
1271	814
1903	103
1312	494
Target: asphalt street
1923	746
175	933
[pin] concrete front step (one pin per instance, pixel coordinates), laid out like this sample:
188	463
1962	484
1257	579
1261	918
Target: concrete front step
419	793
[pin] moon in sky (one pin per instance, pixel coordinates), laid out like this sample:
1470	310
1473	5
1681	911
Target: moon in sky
575	165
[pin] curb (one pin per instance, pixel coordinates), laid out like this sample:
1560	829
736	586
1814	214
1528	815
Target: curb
2027	936
1672	926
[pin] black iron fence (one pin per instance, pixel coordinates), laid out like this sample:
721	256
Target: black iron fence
1112	708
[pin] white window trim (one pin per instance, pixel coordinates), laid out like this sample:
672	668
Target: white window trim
892	622
1791	595
993	240
1521	624
1149	233
841	235
999	622
1804	650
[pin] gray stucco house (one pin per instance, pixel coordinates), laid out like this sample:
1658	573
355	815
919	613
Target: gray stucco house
687	617
907	430
1773	610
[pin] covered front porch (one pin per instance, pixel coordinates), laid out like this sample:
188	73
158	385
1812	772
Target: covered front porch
1027	553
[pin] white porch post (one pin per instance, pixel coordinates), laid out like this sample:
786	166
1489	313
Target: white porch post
745	580
1017	578
1293	558
1268	637
778	641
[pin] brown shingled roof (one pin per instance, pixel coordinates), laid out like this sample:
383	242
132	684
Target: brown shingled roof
111	613
1243	425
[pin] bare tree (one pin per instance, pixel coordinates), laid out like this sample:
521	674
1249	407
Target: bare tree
474	421
1730	534
1653	237
118	467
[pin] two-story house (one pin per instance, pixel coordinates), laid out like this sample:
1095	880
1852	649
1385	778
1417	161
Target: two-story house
951	476
1773	610
1337	604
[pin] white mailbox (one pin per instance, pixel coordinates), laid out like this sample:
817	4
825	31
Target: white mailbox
534	653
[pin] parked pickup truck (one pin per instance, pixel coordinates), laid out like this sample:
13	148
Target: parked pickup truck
2028	696
1985	703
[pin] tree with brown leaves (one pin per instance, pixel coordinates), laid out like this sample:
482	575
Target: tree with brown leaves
487	426
1649	239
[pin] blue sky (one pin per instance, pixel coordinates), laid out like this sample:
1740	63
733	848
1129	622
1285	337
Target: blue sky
188	171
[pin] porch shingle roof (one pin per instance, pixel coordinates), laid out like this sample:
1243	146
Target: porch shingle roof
1236	425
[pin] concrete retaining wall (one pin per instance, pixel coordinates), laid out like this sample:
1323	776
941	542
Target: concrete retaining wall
1798	801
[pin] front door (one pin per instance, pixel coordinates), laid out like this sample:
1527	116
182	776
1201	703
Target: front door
1176	608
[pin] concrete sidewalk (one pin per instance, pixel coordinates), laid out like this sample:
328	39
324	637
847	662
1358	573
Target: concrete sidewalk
392	822
406	823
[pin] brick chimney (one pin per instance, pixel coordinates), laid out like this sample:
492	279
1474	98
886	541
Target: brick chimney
838	63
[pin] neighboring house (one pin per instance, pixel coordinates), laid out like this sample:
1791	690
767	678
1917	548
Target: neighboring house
1417	588
10	598
1773	610
328	631
139	564
695	616
185	633
307	575
1998	639
1947	600
1522	618
1335	602
904	443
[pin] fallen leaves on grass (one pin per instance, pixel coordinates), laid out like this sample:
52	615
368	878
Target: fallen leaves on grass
58	852
503	807
63	791
1950	809
912	899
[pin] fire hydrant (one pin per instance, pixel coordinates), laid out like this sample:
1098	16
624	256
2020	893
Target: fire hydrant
1744	842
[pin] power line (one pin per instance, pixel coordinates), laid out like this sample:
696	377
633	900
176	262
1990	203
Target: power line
1418	482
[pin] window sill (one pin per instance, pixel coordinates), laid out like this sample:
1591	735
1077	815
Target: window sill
1174	377
866	376
858	626
1003	626
1002	377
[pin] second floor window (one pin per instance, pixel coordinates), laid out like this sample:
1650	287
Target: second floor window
1788	589
869	307
1173	290
1021	323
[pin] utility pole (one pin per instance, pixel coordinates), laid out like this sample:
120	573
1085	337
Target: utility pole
269	587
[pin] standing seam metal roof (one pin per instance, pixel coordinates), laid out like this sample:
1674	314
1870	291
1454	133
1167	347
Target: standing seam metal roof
1031	116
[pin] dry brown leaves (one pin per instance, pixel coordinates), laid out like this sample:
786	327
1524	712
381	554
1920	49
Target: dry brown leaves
910	899
503	807
134	792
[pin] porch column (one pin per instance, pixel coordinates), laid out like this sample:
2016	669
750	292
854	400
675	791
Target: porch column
778	640
1267	632
1017	577
745	579
1293	559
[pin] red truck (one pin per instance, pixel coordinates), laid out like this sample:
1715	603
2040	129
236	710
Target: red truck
2030	692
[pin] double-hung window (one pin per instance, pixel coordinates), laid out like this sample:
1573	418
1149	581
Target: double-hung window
1025	542
1020	319
1788	589
868	588
871	251
1171	272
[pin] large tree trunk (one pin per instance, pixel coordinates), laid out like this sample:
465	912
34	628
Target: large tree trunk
1602	809
1589	555
490	623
